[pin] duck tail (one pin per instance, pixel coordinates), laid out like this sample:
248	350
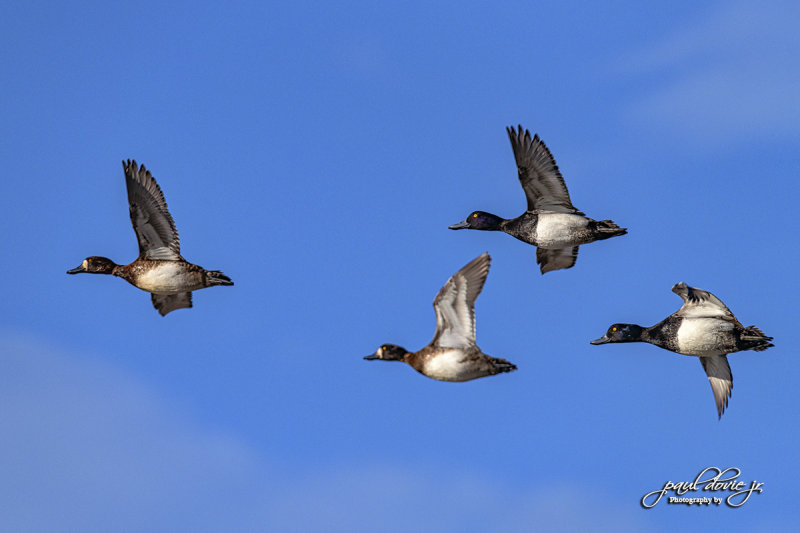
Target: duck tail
754	339
501	365
215	277
606	229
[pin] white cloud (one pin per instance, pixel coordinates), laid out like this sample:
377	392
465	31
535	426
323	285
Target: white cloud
86	447
394	499
733	74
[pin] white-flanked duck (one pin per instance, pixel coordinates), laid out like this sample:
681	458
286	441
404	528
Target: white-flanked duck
453	355
551	222
703	327
159	269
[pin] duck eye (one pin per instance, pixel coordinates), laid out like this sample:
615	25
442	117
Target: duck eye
614	328
474	215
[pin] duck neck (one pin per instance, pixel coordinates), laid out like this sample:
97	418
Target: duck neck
120	272
636	333
414	360
644	334
493	223
514	226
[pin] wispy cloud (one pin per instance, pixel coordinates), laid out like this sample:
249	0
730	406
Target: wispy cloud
732	74
86	447
382	498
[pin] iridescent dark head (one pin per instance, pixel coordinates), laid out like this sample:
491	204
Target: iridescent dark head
479	220
388	352
621	333
94	265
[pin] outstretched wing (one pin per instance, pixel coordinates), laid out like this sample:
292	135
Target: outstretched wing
719	375
539	175
550	259
166	303
698	303
455	305
154	227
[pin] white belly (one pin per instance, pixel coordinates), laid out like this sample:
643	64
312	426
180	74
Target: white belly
703	336
168	278
446	366
559	229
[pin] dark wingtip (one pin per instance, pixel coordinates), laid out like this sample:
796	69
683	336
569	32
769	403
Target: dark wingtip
130	165
513	132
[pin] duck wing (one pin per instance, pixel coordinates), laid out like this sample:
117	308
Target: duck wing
166	303
455	305
550	259
154	227
539	175
698	303
719	375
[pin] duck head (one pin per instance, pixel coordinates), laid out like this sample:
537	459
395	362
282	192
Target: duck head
388	352
479	220
94	265
621	333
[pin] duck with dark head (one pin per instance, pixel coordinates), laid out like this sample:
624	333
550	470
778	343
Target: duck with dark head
551	222
704	328
159	269
452	355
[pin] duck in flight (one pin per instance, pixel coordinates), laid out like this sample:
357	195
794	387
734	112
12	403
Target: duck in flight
703	327
551	222
159	269
452	355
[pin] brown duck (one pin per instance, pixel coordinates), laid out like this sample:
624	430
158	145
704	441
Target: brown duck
159	269
453	355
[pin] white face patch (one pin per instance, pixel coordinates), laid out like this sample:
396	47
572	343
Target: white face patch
85	264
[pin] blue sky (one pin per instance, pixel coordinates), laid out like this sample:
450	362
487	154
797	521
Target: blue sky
316	154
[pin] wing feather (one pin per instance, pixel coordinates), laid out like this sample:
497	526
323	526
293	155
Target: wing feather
698	303
166	303
154	227
538	173
550	259
455	305
719	375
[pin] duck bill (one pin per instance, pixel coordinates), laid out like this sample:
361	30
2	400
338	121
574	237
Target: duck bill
76	270
601	340
461	225
371	357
